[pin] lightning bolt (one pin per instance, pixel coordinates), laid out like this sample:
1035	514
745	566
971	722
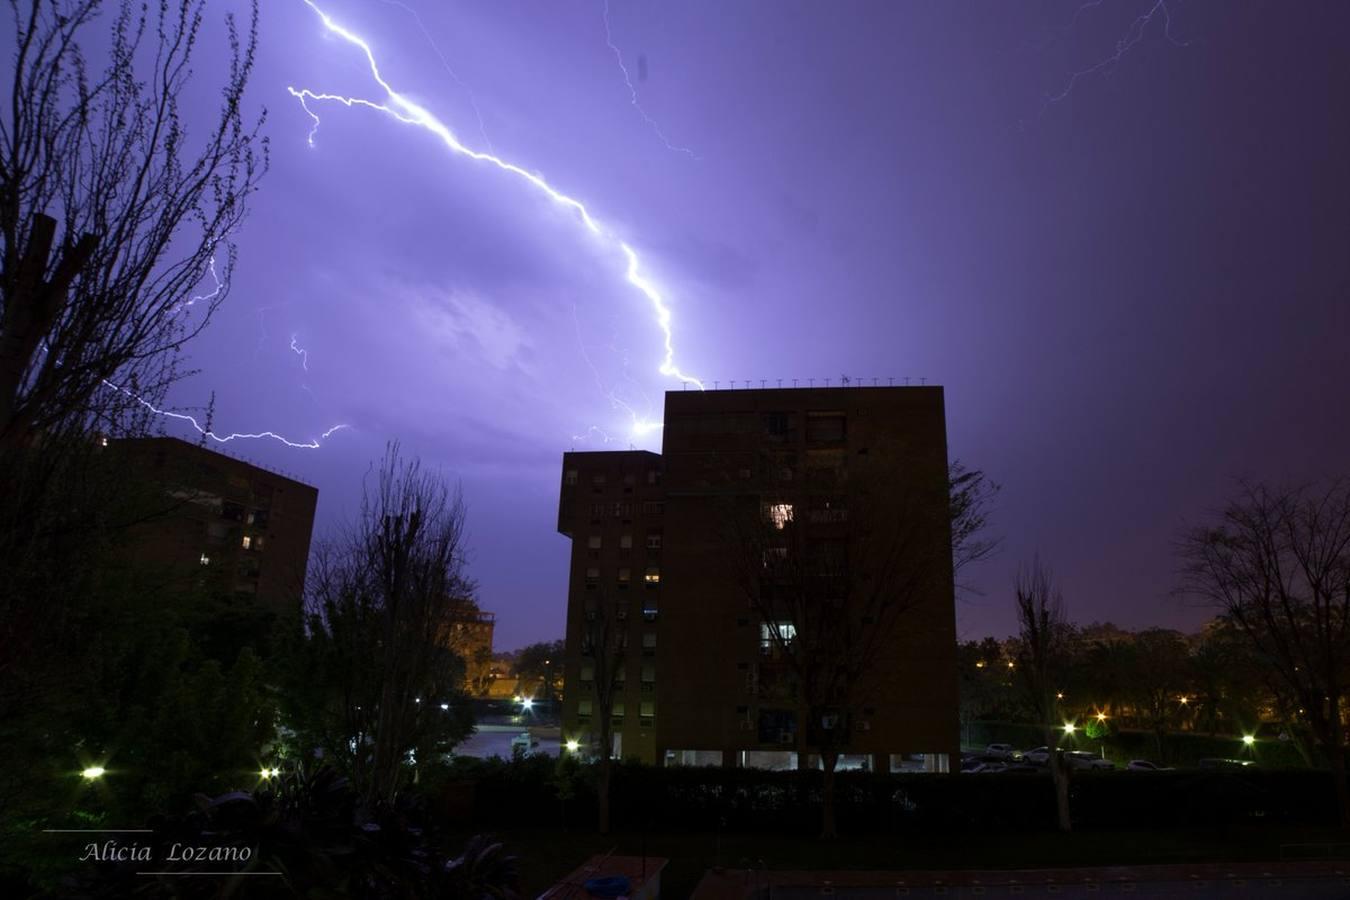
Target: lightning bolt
407	112
312	444
473	102
1135	33
633	94
302	353
220	286
639	426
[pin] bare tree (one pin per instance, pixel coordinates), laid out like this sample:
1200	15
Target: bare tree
1042	660
972	496
604	647
831	572
144	211
383	602
1277	565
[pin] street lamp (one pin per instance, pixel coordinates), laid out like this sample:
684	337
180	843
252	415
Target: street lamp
92	773
1070	728
573	746
1249	739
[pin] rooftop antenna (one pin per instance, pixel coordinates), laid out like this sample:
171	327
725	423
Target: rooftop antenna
923	381
780	382
794	382
717	385
813	381
843	380
762	383
906	381
874	382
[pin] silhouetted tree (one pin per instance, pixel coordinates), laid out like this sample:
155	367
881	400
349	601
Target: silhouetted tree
375	678
144	211
540	662
604	647
1277	565
830	569
1044	654
971	500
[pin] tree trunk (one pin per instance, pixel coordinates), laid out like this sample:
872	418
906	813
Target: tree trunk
1336	754
828	759
1059	774
606	767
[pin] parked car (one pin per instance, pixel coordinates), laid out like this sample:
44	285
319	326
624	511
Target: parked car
525	741
1001	751
986	768
1079	759
1037	757
1143	765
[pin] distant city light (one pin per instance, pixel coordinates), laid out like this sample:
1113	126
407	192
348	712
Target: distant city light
1070	728
1101	717
1059	696
266	772
527	704
980	664
93	772
573	746
1185	700
1249	739
445	706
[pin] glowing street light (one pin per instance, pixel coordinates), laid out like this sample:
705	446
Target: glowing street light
1249	739
573	746
527	704
1070	728
1101	717
92	773
266	772
1185	700
1059	695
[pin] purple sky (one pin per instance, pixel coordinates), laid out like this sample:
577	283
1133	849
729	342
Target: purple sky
1133	294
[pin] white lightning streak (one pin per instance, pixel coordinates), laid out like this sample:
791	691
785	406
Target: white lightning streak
633	94
312	444
1133	35
473	102
302	353
220	286
409	113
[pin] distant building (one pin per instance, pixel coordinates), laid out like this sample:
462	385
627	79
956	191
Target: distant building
471	638
698	674
221	524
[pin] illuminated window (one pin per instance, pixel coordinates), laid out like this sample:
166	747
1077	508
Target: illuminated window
205	560
593	542
625	576
770	635
653	575
647	709
248	541
583	707
616	711
779	514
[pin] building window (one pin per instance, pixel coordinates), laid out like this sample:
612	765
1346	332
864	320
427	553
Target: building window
592	576
653	507
593	542
598	479
653	476
232	511
647	710
770	635
825	427
587	672
649	607
625	542
623	510
652	577
625	576
583	707
597	510
570	477
778	514
648	676
205	560
248	541
616	713
649	640
630	479
653	540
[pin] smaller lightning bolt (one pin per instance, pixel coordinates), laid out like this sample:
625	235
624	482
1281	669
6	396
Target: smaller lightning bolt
302	353
639	426
633	94
1133	35
473	102
312	444
220	286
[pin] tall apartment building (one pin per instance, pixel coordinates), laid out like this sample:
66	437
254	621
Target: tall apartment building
221	524
655	548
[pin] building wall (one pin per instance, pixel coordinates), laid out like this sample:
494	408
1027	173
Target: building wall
221	524
713	682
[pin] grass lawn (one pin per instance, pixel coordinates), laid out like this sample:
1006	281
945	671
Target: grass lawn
547	855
